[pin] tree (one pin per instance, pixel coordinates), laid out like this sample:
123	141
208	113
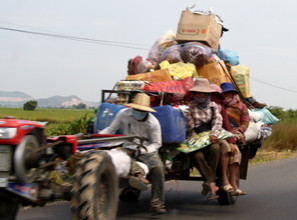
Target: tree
30	105
80	106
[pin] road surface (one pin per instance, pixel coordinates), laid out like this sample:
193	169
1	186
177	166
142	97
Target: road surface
271	188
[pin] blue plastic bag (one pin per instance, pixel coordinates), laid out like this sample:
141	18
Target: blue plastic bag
229	55
267	117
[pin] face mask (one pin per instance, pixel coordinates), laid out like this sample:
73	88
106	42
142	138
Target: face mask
138	115
229	101
203	102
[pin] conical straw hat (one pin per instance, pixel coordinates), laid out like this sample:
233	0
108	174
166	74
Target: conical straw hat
141	102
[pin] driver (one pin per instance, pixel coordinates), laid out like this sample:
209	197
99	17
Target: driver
138	120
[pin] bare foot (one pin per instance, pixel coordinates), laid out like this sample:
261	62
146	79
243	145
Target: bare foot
213	188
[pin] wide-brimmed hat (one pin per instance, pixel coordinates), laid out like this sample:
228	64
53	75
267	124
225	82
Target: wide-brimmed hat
141	102
202	85
217	89
228	87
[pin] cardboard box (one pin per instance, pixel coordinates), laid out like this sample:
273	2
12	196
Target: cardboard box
153	76
216	73
197	27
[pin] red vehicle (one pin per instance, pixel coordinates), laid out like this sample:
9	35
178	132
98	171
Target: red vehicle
28	157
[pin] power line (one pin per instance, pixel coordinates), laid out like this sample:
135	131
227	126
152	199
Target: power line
269	84
89	40
111	43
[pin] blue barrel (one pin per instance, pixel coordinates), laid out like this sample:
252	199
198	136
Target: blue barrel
172	121
106	114
173	124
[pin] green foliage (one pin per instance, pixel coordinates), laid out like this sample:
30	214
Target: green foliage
80	106
283	136
77	126
61	121
53	116
30	105
282	114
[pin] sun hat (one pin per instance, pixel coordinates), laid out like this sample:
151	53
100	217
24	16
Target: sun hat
141	102
201	85
228	87
217	89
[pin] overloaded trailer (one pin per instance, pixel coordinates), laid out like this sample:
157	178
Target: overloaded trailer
35	169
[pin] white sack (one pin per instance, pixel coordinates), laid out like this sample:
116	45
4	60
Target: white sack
255	116
253	132
121	161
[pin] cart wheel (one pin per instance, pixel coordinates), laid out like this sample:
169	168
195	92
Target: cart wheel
8	208
225	197
130	194
95	188
28	144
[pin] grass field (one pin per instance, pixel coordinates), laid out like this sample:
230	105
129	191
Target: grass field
44	114
61	121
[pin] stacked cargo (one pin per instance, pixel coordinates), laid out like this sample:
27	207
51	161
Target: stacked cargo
173	64
178	59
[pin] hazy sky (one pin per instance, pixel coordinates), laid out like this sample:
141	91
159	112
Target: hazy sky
262	32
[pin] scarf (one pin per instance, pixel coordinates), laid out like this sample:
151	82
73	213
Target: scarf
230	101
202	102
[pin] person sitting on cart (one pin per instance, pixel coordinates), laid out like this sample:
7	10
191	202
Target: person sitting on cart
138	121
204	115
239	119
230	153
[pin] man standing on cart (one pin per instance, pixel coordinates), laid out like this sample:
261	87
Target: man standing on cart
138	121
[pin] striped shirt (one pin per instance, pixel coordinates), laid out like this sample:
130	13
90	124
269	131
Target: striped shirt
198	116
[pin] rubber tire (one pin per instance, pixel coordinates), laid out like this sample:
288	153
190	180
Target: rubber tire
225	197
95	188
28	144
8	208
130	194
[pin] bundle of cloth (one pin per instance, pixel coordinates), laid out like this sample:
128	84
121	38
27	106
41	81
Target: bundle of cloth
257	129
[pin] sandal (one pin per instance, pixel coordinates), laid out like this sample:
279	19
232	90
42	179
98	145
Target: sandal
212	197
227	188
205	189
137	183
238	192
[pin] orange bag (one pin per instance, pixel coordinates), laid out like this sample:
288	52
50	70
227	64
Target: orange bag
214	72
154	76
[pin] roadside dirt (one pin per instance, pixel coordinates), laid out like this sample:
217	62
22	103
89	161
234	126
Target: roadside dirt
265	156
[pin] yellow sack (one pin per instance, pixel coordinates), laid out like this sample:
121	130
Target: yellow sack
179	70
241	75
214	72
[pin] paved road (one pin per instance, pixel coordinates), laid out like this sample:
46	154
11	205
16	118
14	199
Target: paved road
271	188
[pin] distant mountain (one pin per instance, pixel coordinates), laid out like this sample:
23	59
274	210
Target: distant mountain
14	95
17	99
